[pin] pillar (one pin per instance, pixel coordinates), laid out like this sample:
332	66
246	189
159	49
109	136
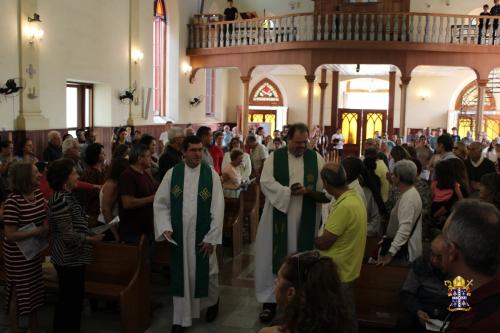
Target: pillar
481	89
244	112
335	101
390	109
30	114
405	81
310	98
136	115
322	85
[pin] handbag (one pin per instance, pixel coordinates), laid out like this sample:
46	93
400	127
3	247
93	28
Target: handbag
385	244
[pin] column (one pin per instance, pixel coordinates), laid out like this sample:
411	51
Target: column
135	116
481	89
390	109
310	98
335	101
30	114
244	112
405	80
322	85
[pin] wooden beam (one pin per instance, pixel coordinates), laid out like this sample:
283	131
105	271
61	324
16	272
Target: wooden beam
322	85
390	109
335	101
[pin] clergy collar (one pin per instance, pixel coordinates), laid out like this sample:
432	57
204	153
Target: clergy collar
478	163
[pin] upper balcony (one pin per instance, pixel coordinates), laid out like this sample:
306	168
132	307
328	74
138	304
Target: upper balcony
406	40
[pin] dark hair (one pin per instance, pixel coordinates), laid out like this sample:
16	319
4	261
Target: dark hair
418	164
445	176
5	144
65	136
233	140
461	176
21	177
298	127
121	151
58	173
121	130
217	134
3	192
277	140
146	140
353	167
335	178
235	153
447	141
371	152
202	131
319	304
20	148
398	153
190	140
492	182
137	152
411	151
251	138
118	165
372	181
41	166
92	153
475	229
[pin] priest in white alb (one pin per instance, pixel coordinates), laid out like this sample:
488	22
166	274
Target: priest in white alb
292	186
189	211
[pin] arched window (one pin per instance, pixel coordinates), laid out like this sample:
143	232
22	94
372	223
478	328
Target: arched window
467	100
160	52
266	93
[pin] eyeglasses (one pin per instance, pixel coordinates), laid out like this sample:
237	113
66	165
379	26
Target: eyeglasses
308	259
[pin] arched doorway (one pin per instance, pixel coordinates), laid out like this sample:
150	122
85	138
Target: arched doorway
266	107
466	105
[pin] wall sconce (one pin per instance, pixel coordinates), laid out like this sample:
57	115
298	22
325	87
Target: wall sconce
35	32
187	69
137	56
424	94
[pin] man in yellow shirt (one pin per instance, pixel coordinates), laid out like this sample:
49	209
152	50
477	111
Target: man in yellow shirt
344	235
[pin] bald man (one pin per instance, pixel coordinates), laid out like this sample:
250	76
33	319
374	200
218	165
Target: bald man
477	166
424	294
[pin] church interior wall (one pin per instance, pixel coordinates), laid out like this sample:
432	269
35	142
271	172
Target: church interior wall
448	6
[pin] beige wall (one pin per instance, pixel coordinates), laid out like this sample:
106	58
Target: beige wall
455	6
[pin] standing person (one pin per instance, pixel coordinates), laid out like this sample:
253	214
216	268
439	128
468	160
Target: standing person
246	165
344	237
197	232
445	147
217	152
338	142
485	12
25	153
164	136
477	166
454	135
25	205
172	153
150	142
495	11
231	175
258	154
471	235
228	136
54	150
205	134
136	189
121	139
231	12
71	250
290	181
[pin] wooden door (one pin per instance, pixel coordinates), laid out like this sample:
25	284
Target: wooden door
350	121
373	121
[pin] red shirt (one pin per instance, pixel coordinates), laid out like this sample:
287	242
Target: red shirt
484	315
48	192
217	154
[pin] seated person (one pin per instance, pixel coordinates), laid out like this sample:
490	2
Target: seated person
489	190
445	192
424	295
231	175
309	294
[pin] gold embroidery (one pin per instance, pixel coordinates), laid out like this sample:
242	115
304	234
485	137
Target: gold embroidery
177	191
204	194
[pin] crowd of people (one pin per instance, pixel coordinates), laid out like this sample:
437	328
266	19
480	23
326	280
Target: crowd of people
431	197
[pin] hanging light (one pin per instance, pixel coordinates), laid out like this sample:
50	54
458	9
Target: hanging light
35	32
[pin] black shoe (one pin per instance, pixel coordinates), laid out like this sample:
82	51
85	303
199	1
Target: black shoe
212	312
177	329
268	313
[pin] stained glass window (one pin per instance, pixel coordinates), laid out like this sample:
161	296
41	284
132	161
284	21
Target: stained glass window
159	61
467	100
373	124
466	124
159	9
350	128
266	93
491	127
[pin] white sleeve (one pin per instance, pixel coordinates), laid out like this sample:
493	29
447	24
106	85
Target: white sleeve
226	160
406	212
161	207
214	235
278	195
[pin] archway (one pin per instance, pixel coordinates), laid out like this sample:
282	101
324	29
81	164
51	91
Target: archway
266	106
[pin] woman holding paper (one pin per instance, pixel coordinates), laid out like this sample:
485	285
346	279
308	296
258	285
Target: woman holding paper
71	250
24	218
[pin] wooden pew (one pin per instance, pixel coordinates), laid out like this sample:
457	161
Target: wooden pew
233	222
376	292
252	208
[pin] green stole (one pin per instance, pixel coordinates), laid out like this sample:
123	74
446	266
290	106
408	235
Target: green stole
307	224
203	219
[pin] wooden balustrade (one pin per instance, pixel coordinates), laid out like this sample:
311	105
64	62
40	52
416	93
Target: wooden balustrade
338	26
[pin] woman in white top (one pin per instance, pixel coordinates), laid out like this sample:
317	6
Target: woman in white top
405	222
246	165
231	174
338	142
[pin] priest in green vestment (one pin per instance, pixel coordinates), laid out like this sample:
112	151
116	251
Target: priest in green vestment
189	212
292	186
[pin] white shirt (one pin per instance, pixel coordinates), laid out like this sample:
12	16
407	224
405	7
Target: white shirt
340	144
164	138
259	153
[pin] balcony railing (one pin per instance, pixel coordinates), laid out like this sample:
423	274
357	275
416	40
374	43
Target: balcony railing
393	27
